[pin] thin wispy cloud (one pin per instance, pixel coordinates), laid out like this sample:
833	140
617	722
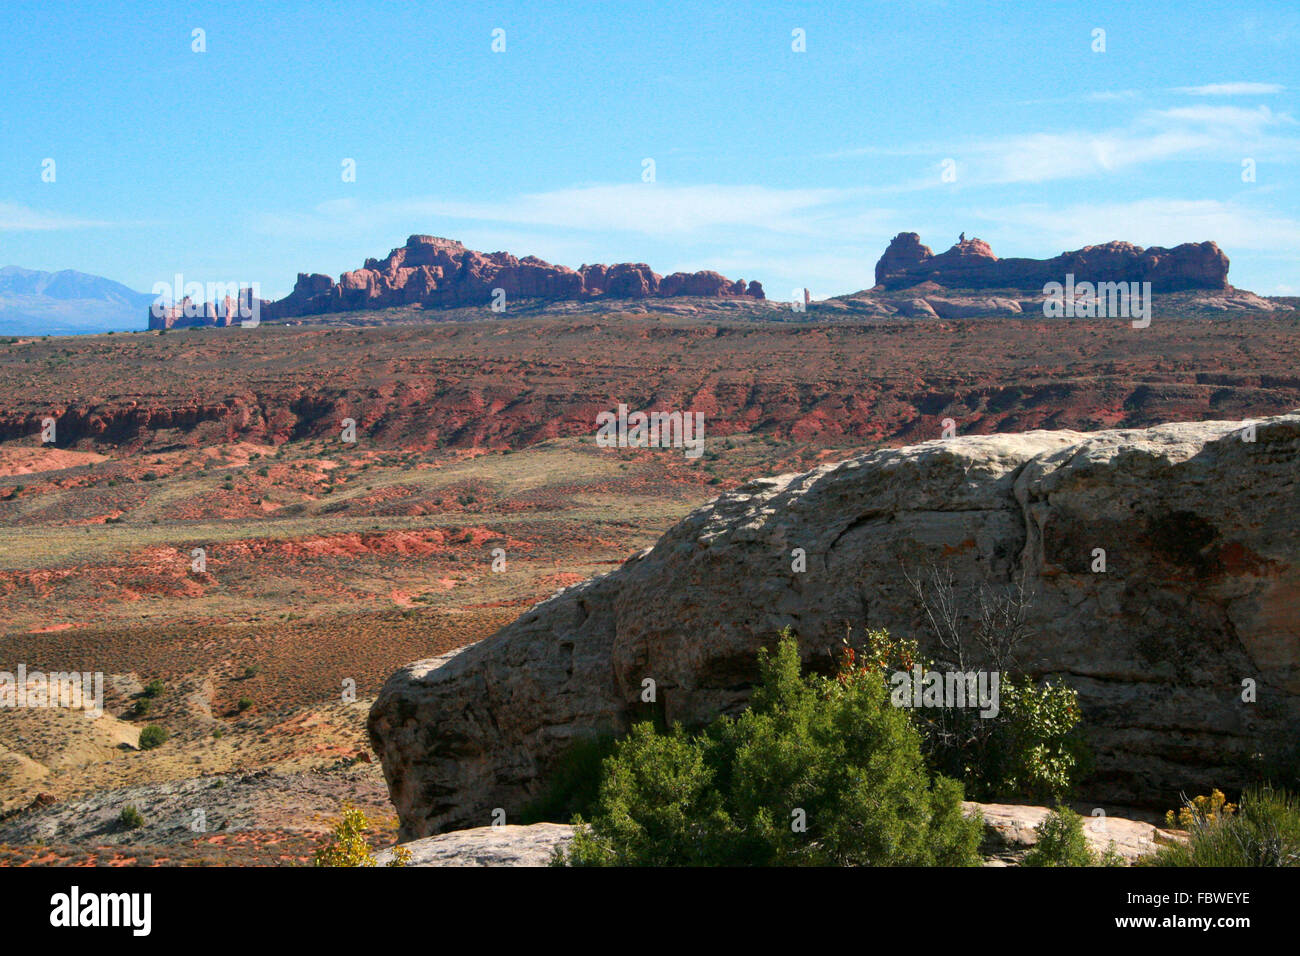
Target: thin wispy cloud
1090	96
1199	132
1232	89
1238	119
651	209
1146	222
15	218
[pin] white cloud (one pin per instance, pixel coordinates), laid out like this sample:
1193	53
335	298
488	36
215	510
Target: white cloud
1236	119
1110	96
1232	89
1199	132
15	218
1146	222
650	209
825	239
1194	132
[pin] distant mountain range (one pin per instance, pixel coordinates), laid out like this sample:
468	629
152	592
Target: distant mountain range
66	303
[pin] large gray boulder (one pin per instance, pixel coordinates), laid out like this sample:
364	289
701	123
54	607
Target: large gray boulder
1201	592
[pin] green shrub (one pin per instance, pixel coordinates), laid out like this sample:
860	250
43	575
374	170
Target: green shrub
130	818
1061	842
1032	749
1037	751
152	736
818	771
1264	831
154	688
244	703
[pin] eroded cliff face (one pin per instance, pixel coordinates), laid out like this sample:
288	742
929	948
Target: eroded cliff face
1201	591
971	264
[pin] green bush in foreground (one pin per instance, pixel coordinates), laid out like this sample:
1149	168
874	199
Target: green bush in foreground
1061	842
1263	831
819	771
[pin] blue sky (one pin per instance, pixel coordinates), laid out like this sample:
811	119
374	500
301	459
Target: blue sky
791	168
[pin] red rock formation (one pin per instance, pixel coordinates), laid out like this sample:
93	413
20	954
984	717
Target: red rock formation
188	314
434	272
971	264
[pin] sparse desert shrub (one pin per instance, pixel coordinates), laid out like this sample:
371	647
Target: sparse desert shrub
153	736
818	771
130	818
252	670
1262	830
347	845
244	703
1061	842
154	688
141	707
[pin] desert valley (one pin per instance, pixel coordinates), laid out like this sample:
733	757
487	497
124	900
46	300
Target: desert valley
248	530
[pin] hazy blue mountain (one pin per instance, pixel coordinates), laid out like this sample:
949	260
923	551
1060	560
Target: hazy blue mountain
66	303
